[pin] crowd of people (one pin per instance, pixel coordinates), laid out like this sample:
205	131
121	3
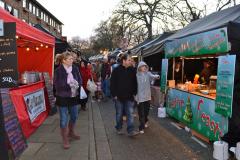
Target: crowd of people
118	79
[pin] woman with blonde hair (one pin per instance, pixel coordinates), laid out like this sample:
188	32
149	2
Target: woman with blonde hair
67	81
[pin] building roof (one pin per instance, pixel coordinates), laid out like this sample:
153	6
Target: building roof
45	10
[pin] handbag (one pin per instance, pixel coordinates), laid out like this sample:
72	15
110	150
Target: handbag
83	94
91	86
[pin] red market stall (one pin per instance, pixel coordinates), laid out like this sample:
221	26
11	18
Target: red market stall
35	53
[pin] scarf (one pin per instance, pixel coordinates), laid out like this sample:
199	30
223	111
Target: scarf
71	81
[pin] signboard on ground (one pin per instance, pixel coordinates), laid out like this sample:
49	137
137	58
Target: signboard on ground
35	103
49	86
8	57
225	85
211	42
12	127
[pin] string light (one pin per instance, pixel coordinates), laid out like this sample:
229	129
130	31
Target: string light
41	45
37	48
17	36
46	46
28	49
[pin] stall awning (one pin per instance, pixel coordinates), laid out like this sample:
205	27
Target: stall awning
213	21
27	31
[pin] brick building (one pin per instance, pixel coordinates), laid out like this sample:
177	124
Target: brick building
32	12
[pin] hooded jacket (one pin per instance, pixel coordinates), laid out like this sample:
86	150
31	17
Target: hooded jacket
144	80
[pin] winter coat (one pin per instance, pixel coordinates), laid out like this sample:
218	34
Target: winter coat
144	80
123	83
86	75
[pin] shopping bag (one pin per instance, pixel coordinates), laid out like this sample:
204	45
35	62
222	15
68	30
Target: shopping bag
91	86
83	94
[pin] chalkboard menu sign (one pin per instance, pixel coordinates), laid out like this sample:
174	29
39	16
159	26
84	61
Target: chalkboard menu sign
3	144
49	86
12	127
8	57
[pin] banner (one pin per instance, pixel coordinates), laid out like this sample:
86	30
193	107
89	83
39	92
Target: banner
225	85
35	103
211	42
164	75
197	112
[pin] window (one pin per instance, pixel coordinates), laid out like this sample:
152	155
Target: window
2	4
34	10
46	18
23	20
24	3
37	12
41	15
30	7
15	12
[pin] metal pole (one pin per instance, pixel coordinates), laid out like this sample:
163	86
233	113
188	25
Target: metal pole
173	71
182	69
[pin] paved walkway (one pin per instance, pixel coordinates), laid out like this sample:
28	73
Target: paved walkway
99	140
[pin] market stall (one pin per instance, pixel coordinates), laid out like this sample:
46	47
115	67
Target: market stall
206	104
32	53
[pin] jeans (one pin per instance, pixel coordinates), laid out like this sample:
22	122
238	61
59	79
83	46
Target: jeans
143	111
128	107
64	111
106	87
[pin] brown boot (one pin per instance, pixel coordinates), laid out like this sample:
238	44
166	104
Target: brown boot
64	133
72	133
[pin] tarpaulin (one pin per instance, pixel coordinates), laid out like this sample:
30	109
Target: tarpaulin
17	96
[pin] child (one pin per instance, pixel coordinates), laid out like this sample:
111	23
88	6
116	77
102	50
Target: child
144	78
99	94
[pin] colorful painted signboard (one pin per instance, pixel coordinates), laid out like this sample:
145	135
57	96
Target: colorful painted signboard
211	42
225	85
197	112
164	72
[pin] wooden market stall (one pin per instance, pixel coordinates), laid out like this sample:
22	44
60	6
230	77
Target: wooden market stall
210	109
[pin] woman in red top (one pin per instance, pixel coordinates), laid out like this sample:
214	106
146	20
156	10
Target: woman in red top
86	75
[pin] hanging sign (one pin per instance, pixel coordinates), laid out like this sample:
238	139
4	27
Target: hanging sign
164	75
225	85
8	57
35	103
1	28
211	42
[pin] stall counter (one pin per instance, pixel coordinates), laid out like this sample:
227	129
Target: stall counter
30	118
196	112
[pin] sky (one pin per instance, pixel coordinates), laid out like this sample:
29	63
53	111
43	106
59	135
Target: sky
80	17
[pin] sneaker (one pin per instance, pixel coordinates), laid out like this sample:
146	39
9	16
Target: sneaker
146	125
120	132
133	134
141	131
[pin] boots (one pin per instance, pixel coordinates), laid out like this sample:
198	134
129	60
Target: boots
64	133
72	133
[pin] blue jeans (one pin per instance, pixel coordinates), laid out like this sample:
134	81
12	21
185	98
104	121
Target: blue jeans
106	87
64	111
128	107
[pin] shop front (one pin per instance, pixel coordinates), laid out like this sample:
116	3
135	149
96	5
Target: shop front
26	55
201	96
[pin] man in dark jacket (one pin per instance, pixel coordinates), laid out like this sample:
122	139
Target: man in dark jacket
123	86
